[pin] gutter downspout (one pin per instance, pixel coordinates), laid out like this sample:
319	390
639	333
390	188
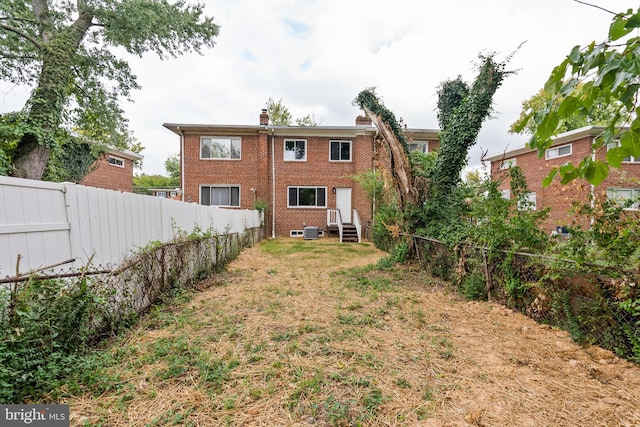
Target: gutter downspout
273	185
373	198
181	162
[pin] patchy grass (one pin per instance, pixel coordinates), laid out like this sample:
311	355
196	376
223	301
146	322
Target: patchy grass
316	332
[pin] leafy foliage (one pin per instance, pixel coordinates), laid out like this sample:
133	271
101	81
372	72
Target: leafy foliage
605	73
172	166
41	343
143	183
461	111
600	114
65	51
279	115
369	99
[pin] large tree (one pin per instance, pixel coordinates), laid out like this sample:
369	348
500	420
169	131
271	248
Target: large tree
607	72
279	115
599	114
65	51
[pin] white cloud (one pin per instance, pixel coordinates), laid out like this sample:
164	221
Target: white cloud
318	55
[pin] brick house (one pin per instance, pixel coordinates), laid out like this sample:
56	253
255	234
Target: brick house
570	146
166	193
113	171
301	173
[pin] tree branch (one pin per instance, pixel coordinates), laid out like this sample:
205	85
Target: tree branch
43	18
22	34
596	6
10	18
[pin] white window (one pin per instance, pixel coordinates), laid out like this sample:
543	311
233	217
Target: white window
340	151
116	161
307	197
506	164
527	201
173	194
624	194
295	150
421	146
220	195
506	194
223	148
629	159
161	194
561	151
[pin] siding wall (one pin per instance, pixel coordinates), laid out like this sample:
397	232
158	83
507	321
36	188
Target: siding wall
47	223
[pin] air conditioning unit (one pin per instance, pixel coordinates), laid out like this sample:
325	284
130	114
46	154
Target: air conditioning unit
310	233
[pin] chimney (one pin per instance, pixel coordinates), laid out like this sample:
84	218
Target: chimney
264	118
363	121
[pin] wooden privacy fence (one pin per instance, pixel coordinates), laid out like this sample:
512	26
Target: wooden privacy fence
43	224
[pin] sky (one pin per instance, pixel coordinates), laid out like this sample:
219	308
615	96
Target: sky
317	55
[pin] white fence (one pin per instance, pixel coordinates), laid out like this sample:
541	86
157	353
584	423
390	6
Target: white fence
44	223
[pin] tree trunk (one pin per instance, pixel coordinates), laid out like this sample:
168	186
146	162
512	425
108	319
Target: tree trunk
398	163
52	90
31	161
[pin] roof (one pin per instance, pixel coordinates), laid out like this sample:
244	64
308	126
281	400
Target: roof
331	131
563	138
125	153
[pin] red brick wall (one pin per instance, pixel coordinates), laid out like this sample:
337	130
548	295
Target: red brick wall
110	176
254	171
560	197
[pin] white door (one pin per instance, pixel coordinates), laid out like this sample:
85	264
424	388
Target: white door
343	203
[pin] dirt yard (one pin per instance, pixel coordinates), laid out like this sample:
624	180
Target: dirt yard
303	333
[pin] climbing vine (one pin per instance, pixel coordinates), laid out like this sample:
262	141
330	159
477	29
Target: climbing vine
461	111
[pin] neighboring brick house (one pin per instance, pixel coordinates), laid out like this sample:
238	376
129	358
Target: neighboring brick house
572	147
113	171
167	193
300	172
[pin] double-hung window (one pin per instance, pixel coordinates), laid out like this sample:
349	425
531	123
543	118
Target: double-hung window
340	151
220	195
628	159
561	151
220	148
307	197
295	150
625	195
506	164
420	146
527	201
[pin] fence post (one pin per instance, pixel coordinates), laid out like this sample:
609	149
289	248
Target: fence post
487	273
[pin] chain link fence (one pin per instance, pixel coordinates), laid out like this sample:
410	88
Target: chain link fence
147	276
596	304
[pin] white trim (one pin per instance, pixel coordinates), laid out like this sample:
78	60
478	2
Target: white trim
228	138
635	195
506	164
549	153
294	140
331	141
417	144
118	161
289	206
228	186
